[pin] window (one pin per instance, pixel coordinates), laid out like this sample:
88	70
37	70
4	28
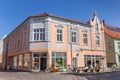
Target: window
59	60
85	39
15	61
93	60
20	61
97	27
119	58
97	41
118	45
26	61
24	37
59	35
39	34
110	45
73	36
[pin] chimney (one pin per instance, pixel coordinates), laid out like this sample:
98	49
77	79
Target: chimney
104	23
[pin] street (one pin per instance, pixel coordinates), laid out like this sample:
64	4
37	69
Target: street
58	76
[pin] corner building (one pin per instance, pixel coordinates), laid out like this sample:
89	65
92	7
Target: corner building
46	40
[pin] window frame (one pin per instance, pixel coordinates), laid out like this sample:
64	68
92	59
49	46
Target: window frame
37	33
85	38
73	36
97	44
59	35
118	43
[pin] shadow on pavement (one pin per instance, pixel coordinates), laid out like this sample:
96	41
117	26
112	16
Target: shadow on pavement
13	70
115	75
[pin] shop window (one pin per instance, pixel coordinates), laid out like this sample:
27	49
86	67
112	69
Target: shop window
26	61
59	60
74	62
93	60
20	61
15	61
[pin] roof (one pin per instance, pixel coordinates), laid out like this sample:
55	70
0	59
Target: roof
113	28
46	14
51	15
112	31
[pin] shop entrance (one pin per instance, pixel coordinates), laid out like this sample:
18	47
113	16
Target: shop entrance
39	61
43	63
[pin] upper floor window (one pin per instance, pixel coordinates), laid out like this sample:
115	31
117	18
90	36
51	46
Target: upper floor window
85	40
24	37
110	45
97	40
39	34
97	27
59	35
73	36
118	45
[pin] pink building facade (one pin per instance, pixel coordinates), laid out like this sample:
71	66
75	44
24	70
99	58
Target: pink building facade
46	40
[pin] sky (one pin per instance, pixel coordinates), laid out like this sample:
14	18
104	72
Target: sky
14	12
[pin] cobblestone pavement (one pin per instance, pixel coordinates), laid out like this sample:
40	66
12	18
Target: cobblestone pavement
100	76
58	76
37	76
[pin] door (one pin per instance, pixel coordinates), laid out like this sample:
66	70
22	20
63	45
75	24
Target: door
43	64
36	64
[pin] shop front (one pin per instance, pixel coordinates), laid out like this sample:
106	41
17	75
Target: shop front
59	61
39	61
93	60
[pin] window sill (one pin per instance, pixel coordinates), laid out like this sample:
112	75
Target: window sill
38	41
74	43
98	46
60	42
85	44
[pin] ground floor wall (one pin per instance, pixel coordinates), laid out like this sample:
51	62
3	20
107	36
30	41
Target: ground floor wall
0	60
37	60
111	58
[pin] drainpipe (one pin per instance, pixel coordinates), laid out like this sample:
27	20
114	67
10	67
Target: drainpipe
104	46
71	44
91	38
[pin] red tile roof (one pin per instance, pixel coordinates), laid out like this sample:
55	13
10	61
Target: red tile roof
112	31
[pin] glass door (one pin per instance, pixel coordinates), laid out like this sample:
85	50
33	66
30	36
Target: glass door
36	64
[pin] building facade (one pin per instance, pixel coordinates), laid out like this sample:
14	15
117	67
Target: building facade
46	40
1	50
112	41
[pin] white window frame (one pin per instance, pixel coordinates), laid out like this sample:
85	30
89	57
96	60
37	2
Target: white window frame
97	40
38	33
85	37
118	43
59	34
96	27
73	37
